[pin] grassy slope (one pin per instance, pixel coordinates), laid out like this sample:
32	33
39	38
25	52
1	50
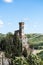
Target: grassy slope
35	38
40	55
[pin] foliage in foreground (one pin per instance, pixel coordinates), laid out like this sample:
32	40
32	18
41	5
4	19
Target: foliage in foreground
40	55
34	60
30	60
20	61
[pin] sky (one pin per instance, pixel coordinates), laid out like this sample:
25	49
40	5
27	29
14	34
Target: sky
28	11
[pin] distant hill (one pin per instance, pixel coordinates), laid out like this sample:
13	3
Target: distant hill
35	39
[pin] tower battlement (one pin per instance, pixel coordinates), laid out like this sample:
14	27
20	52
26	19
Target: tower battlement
21	23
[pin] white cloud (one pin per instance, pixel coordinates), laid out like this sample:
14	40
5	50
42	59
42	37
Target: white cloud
1	23
8	1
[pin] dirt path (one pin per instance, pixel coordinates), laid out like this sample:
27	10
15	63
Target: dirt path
37	51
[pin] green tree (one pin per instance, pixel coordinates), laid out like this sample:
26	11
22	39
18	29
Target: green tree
34	60
20	61
17	46
9	44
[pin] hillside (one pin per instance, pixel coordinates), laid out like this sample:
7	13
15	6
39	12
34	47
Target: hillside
36	40
12	49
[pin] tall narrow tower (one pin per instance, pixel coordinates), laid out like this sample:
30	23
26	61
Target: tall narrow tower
21	33
21	29
22	36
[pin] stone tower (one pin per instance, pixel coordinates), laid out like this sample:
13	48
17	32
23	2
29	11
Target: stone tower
22	36
21	29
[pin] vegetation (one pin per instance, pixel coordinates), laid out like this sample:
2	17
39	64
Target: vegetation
34	60
11	45
35	40
40	55
31	60
20	61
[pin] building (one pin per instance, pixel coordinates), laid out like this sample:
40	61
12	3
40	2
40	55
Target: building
21	35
